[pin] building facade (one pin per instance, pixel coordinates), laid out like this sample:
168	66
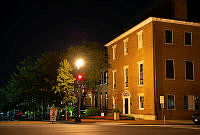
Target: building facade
154	70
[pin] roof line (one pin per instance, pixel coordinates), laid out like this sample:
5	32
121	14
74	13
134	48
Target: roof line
148	20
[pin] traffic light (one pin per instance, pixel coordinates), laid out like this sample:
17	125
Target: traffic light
79	77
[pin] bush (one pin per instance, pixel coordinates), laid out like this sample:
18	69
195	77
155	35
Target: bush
116	110
131	118
92	111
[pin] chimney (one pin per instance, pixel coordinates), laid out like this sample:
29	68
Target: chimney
179	9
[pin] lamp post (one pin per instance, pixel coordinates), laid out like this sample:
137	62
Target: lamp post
79	63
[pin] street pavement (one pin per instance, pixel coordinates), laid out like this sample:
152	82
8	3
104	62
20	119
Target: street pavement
95	128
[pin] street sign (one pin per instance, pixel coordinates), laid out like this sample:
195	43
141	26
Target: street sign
53	114
162	100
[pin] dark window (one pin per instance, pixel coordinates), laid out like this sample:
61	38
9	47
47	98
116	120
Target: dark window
188	38
169	69
126	77
114	82
171	102
196	101
185	102
168	36
141	74
189	70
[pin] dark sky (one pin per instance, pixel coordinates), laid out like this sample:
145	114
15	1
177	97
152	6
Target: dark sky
31	27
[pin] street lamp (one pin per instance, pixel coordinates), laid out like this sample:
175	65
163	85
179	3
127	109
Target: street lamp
79	63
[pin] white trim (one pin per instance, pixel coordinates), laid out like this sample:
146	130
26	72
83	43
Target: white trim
185	70
172	36
124	97
184	38
174	70
141	95
140	39
114	71
140	62
148	20
124	68
125	46
114	51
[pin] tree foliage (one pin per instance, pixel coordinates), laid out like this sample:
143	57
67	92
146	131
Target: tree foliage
94	57
65	82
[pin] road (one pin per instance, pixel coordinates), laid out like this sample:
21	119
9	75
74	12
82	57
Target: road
97	129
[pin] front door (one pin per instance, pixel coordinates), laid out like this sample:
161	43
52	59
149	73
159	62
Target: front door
126	105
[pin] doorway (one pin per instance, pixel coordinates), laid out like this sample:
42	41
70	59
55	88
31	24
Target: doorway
126	105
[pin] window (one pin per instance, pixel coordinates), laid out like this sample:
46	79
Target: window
126	76
196	100
114	102
106	77
126	46
141	102
106	100
185	102
114	79
168	36
169	69
101	81
114	52
141	74
140	70
188	38
140	42
189	73
90	99
171	101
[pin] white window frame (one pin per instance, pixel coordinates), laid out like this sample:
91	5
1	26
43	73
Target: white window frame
184	38
125	46
141	95
172	36
139	63
114	102
174	102
140	39
185	70
166	70
114	78
114	51
125	67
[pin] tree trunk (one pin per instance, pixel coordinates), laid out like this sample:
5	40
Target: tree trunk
66	111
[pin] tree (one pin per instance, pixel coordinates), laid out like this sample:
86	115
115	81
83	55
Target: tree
94	56
65	83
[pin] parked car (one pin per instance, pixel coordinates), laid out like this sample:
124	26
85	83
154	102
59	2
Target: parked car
196	118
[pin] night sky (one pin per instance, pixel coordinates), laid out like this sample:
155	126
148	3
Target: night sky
32	27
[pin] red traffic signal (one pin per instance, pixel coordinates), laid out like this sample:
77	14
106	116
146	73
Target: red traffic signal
79	77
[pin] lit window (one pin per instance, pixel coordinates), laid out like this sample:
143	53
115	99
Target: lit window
114	52
106	77
114	102
169	69
114	79
126	76
188	38
189	70
126	46
140	42
168	36
171	101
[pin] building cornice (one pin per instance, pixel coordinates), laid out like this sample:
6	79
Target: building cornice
148	20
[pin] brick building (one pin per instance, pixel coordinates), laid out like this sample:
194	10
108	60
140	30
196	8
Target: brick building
156	59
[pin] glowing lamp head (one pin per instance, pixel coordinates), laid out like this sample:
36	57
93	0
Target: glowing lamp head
79	63
79	77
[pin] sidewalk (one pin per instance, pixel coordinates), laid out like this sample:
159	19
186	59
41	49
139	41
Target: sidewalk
136	122
131	122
